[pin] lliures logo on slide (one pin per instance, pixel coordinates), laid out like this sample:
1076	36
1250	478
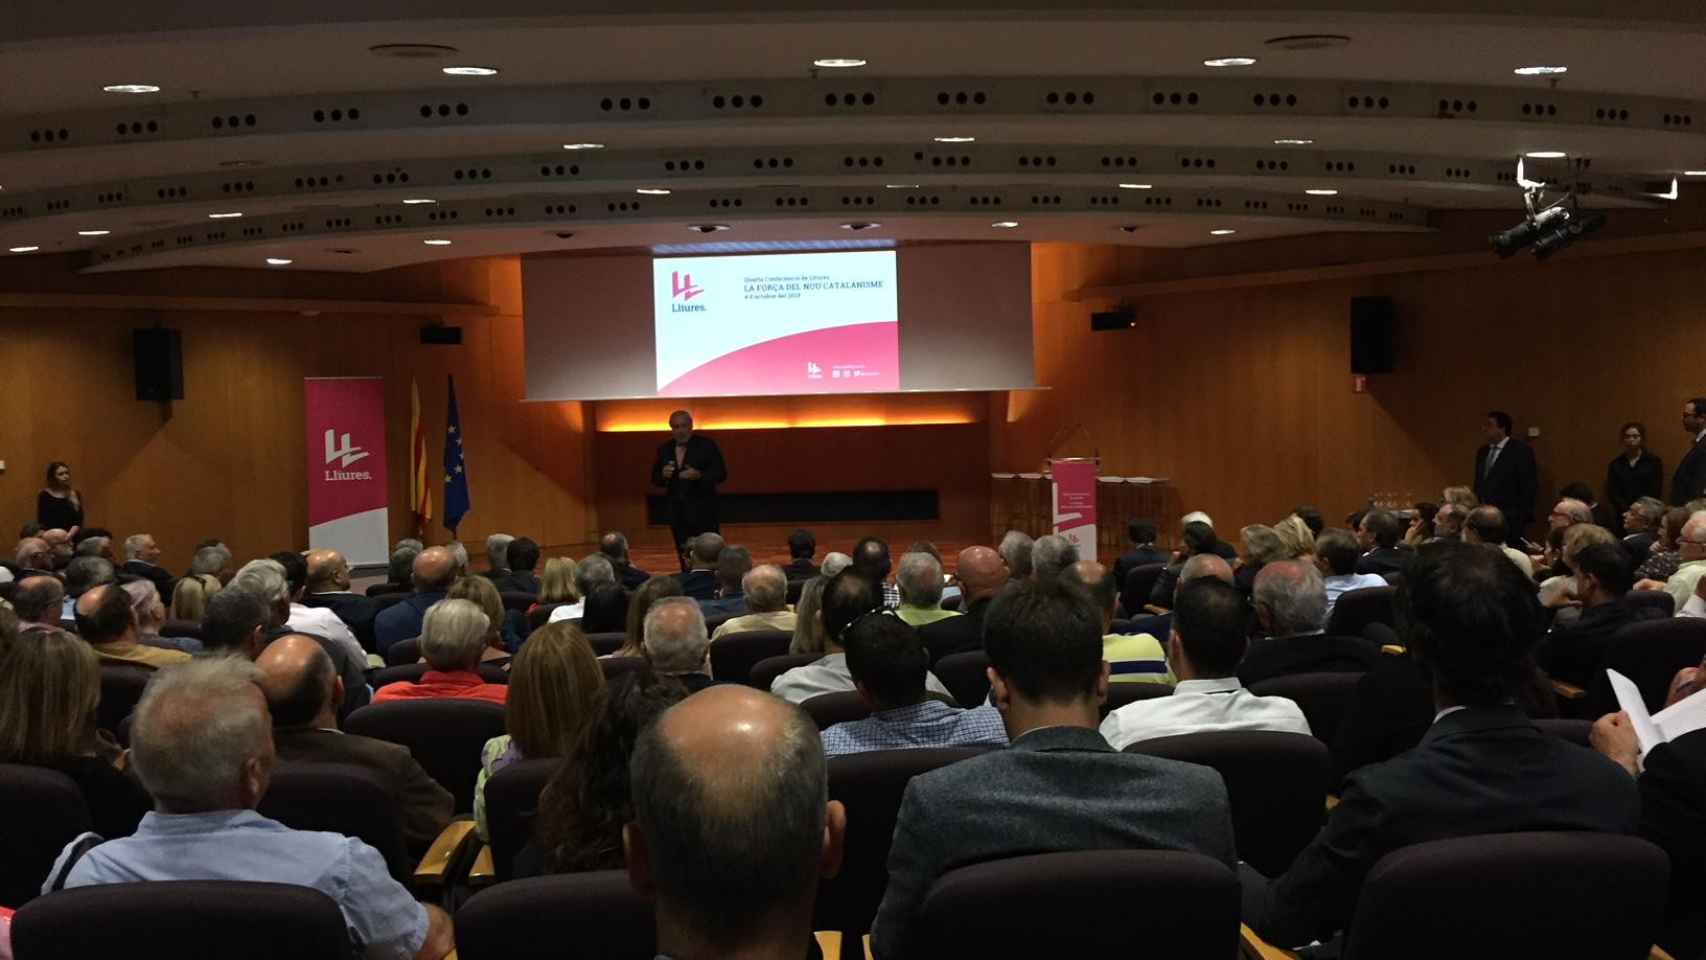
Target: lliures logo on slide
681	288
813	371
343	455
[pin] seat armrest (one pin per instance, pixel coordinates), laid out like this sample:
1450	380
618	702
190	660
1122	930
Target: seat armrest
829	941
1253	947
482	873
450	847
1658	953
1332	801
1568	691
1155	608
1392	649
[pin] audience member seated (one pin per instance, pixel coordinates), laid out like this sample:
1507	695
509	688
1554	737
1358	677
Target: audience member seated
802	546
1483	766
919	579
676	644
1641	523
1448	522
92	544
1131	657
236	623
1460	496
497	555
1558	589
833	563
521	556
1379	534
1296	539
329	588
1574	650
606	610
453	634
1569	511
458	559
1421	528
1336	556
39	600
60	546
1200	565
1691	552
1015	549
142	559
614	546
594	571
1211	622
503	637
1258	546
150	616
889	664
808	619
1666	553
981	574
640	604
190	595
557	583
105	622
765	589
846	597
304	694
733	564
1486	527
1198	538
585	806
1143	552
1291	606
699	581
732	826
434	572
1051	555
1060	786
50	685
81	575
399	570
202	745
313	621
214	559
553	690
871	561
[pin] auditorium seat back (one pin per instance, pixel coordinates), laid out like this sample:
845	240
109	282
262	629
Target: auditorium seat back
512	804
605	644
570	916
1356	609
387	589
186	918
121	688
1650	604
340	798
1575	731
41	811
716	620
413	672
518	601
1120	694
765	671
1139	584
181	628
384	600
829	709
541	615
1323	698
1080	905
403	652
963	674
1650	652
445	736
1277	784
614	667
1513	895
734	655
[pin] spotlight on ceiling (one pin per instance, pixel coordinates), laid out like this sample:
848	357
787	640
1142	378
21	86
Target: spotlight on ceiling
707	227
1130	228
839	63
470	71
1694	173
859	225
1230	62
902	186
1540	71
1547	227
131	88
1562	235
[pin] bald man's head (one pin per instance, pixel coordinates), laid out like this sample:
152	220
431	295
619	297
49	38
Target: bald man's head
1205	565
732	824
1097	579
1692	543
34	554
981	573
434	569
104	615
300	682
327	571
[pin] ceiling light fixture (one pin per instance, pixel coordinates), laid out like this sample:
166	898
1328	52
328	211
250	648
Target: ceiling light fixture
412	201
1694	173
652	191
1545	154
1222	232
1308	41
1540	71
583	146
131	88
1322	192
93	233
707	227
839	63
279	261
412	51
470	71
22	249
902	186
1230	62
223	216
955	139
859	225
1293	142
1005	224
1137	186
436	243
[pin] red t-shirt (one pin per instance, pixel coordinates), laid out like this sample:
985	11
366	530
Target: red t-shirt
438	685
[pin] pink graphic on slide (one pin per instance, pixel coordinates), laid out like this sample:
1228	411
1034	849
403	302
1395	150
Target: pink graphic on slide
857	358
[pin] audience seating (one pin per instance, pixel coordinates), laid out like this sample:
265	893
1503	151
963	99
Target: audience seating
870	786
189	629
765	671
1097	903
413	672
571	916
541	615
1120	625
1322	697
386	589
403	652
963	674
340	798
829	709
1511	895
384	600
1277	783
1650	603
605	644
953	602
518	601
614	667
512	801
716	620
1139	584
1357	609
445	736
41	811
1575	731
734	655
796	589
189	919
121	687
1650	652
1120	694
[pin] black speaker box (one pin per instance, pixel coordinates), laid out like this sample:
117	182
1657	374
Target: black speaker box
439	336
159	364
1123	318
1374	346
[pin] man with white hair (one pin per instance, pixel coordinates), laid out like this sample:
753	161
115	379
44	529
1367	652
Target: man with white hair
919	577
33	557
1691	546
1291	605
766	590
214	560
834	562
1015	548
453	635
265	581
676	644
1051	555
202	745
497	556
591	573
142	559
1567	512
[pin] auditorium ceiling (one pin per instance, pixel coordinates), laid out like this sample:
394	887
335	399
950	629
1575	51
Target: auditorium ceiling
328	134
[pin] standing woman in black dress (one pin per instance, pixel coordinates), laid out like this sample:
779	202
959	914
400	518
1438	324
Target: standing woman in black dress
1633	474
59	505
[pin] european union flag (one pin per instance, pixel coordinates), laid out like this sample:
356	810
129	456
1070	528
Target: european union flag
455	477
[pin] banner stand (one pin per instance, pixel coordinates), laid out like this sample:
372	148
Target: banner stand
1075	501
348	487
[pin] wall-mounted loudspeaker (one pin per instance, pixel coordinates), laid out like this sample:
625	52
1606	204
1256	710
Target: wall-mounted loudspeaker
441	336
1374	345
1121	318
159	364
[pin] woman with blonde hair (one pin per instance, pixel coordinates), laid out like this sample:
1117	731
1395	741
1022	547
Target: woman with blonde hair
150	616
554	689
1460	496
1296	537
557	583
190	596
650	592
809	635
502	636
50	685
1258	546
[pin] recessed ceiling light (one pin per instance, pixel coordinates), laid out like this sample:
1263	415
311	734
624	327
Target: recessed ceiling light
131	88
860	225
279	261
902	186
1694	173
1005	224
583	146
1137	186
412	51
436	243
345	251
838	63
417	200
707	227
652	191
223	216
22	249
1540	71
955	139
1222	232
470	71
93	233
239	164
1293	142
1322	192
1230	62
1545	154
1308	41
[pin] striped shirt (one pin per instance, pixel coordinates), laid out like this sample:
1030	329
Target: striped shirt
930	723
1135	658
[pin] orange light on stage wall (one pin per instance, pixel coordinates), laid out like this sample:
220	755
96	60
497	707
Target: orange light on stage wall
796	413
712	423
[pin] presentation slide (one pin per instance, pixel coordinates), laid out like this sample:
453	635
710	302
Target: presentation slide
776	324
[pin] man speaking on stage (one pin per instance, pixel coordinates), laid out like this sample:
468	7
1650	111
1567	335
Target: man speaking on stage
689	466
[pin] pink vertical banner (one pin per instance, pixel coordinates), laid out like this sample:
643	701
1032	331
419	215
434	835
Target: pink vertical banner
348	490
1075	502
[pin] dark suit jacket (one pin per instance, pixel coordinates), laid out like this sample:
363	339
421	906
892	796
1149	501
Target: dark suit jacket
161	577
1388	713
1487	770
426	806
402	620
1512	486
1053	790
1625	484
1383	560
703	455
1690	479
631	577
353	609
1575	651
699	584
1673	816
1639	546
513	582
1270	657
800	569
955	634
1139	557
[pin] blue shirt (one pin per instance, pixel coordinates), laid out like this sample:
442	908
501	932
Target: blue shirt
931	723
402	620
242	845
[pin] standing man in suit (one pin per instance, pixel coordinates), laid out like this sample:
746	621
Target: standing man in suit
689	466
1505	475
1690	479
1059	787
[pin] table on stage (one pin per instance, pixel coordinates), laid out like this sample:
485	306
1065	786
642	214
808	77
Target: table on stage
1024	501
